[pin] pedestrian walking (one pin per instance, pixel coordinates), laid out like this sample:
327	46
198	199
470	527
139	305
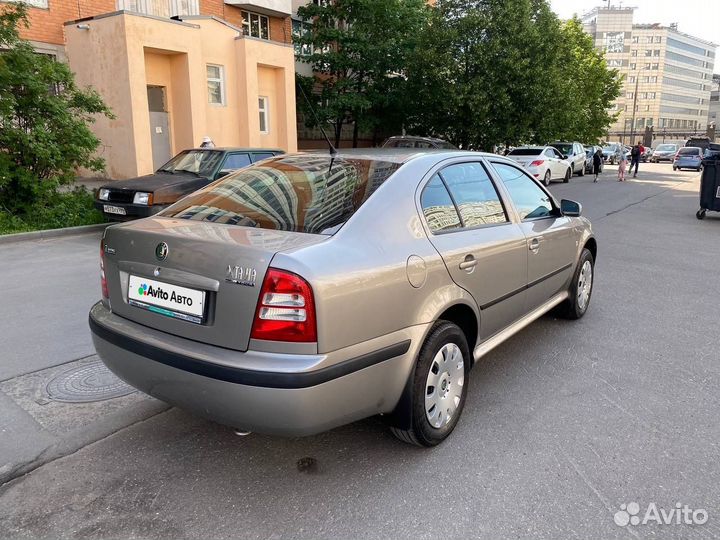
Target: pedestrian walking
635	154
597	163
622	165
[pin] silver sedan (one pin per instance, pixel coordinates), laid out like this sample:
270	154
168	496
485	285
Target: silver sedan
312	290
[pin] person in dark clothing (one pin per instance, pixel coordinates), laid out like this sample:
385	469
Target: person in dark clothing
597	163
635	154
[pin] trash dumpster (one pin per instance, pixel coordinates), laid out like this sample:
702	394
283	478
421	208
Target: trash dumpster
709	187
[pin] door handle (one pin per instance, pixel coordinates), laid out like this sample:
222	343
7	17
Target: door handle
468	264
534	245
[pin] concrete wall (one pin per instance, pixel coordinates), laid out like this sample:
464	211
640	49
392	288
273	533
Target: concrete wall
121	54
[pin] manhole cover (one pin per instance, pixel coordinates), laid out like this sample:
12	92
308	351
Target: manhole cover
87	383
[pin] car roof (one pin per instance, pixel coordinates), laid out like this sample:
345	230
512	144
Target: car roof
235	149
416	138
393	155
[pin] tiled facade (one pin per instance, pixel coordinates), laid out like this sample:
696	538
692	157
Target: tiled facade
667	75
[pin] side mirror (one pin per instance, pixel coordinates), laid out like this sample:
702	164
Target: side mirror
221	174
563	156
570	208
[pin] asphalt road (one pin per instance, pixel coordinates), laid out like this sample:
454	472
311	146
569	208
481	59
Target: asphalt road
564	423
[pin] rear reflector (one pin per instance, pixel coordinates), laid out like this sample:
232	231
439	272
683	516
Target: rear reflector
285	310
103	279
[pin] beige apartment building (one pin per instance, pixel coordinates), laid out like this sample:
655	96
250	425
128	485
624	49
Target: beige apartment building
667	75
175	71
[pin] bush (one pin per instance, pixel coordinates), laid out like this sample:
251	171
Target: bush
53	210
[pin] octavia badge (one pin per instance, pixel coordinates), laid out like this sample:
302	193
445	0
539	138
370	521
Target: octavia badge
161	251
241	275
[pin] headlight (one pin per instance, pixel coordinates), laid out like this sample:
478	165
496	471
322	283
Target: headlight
104	194
143	198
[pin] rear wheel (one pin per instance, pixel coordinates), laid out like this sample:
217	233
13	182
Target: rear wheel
582	170
675	168
439	386
546	178
568	174
581	288
700	214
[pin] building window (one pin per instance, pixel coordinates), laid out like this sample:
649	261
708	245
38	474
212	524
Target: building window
648	52
264	114
631	79
636	39
633	52
656	52
254	25
658	39
656	66
299	29
216	84
633	67
36	3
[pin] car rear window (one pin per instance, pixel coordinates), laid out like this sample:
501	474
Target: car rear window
311	194
689	150
665	148
525	152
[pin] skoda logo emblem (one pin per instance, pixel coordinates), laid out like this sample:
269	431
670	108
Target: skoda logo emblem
161	251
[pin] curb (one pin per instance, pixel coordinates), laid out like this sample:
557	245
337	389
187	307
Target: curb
51	233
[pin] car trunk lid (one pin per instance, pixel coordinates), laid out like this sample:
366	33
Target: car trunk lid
156	266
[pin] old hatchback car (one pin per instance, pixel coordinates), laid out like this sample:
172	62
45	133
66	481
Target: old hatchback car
189	171
309	291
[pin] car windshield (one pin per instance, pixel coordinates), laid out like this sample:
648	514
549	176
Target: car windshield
610	148
199	162
665	148
525	152
564	148
311	194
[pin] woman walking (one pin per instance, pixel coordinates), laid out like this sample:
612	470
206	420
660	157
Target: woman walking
597	163
622	166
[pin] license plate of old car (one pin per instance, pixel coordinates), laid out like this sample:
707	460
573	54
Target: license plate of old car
109	209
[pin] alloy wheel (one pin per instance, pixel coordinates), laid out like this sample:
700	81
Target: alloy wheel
584	286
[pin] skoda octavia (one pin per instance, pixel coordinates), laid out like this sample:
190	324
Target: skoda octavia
312	290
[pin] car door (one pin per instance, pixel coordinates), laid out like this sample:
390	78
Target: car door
233	161
484	251
551	238
561	163
551	156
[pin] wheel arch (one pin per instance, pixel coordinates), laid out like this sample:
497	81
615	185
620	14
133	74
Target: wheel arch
591	246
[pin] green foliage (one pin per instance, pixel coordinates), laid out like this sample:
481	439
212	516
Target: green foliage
53	210
44	121
508	71
360	49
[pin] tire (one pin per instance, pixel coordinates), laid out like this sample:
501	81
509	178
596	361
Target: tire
675	168
568	174
435	364
576	305
582	170
700	214
546	178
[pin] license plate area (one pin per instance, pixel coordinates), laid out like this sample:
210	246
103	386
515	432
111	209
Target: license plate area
166	299
110	209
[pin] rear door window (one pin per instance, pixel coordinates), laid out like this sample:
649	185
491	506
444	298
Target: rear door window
474	194
257	156
529	199
437	206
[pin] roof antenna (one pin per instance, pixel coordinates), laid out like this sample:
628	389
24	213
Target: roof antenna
333	151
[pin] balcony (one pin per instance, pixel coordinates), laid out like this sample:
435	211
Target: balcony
274	8
161	8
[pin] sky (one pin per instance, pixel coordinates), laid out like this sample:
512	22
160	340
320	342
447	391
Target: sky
699	18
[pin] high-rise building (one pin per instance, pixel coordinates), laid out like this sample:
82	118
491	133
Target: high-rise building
667	75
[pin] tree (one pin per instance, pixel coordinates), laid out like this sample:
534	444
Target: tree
359	51
492	71
44	120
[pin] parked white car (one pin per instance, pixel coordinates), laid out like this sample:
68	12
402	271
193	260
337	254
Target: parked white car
543	162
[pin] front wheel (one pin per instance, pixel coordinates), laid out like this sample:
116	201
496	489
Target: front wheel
582	170
546	178
439	386
568	174
581	287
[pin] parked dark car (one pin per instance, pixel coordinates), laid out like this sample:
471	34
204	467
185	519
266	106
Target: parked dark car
189	171
409	141
589	152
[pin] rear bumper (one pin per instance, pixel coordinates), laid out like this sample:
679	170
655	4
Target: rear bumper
315	393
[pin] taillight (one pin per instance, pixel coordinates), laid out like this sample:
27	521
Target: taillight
285	310
537	163
103	279
677	155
